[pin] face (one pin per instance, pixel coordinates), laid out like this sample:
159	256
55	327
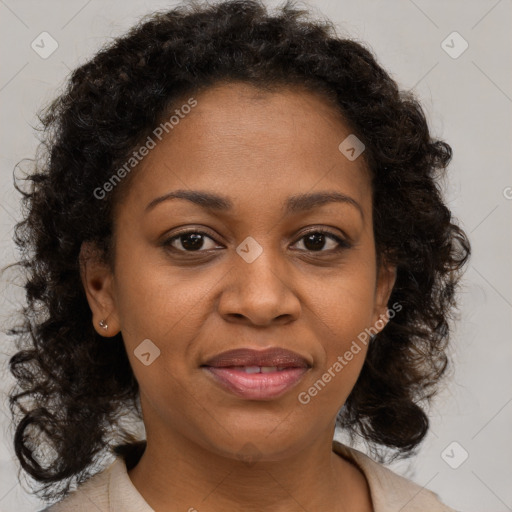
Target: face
263	266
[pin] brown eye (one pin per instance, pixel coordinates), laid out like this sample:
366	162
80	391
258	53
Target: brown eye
189	241
323	241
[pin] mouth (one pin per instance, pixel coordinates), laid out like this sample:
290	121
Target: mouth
256	374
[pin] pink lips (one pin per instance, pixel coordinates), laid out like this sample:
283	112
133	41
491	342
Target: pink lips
257	374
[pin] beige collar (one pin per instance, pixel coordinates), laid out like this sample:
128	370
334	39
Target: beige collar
113	491
391	492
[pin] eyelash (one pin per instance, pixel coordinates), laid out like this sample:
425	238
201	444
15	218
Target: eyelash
342	244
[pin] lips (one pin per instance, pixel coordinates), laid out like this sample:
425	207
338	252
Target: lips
246	357
257	374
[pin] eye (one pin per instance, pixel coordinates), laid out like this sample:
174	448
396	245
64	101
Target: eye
316	241
189	241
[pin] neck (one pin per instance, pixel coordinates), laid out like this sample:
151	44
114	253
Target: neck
190	477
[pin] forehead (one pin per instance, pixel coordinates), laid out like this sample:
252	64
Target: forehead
252	145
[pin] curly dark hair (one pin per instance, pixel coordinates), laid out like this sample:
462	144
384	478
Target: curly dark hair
73	390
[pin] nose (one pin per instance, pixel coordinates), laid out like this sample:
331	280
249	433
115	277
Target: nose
259	293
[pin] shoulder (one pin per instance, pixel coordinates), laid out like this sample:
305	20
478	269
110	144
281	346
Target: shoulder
111	489
390	491
91	495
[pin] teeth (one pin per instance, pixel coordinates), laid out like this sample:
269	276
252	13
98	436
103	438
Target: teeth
262	369
252	369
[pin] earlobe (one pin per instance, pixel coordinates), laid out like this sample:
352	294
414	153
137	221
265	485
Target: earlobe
97	280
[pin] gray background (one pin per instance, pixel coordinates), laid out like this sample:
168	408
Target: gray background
468	101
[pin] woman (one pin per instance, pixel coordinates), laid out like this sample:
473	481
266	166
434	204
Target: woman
237	236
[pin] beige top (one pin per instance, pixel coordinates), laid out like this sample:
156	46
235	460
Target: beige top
112	490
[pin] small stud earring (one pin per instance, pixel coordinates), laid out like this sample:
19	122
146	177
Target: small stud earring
103	324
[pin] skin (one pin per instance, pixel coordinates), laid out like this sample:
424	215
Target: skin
257	148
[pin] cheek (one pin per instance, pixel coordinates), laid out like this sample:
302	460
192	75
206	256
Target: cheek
159	304
158	301
346	303
344	310
343	345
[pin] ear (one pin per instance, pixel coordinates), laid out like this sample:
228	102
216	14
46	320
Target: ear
98	282
386	277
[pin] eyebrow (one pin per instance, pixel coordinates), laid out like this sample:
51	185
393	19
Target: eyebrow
294	204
